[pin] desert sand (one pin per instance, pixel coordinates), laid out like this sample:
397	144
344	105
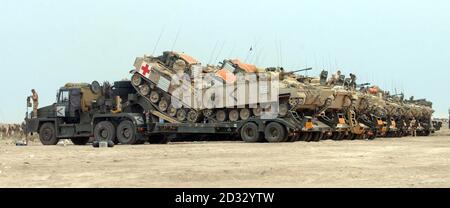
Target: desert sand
384	162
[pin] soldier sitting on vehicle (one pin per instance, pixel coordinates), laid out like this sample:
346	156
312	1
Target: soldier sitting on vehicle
334	78
353	81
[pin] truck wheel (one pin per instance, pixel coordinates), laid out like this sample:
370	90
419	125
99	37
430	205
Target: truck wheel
126	133
47	134
275	132
104	131
80	141
249	132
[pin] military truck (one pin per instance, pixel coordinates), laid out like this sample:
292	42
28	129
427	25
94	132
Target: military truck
82	111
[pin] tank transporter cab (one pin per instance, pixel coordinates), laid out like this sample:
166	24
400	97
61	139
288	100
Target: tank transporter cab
86	110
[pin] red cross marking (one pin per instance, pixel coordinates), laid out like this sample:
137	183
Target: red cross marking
145	69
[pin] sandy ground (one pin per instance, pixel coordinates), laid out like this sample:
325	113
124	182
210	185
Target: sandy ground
400	162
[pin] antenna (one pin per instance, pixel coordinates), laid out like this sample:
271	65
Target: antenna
176	37
323	63
258	54
329	61
220	51
278	53
212	52
281	54
232	49
336	63
315	60
159	38
252	48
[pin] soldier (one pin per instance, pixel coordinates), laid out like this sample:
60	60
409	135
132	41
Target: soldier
335	78
412	126
35	99
2	130
179	66
353	81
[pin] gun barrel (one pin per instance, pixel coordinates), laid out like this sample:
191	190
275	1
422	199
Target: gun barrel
306	69
363	85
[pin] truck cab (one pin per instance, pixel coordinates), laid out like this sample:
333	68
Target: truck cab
83	111
69	117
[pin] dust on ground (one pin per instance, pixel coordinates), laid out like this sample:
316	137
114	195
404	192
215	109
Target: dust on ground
384	162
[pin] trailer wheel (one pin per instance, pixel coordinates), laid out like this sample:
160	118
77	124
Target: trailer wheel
249	132
80	140
294	137
275	132
158	139
47	134
104	131
317	136
126	133
308	136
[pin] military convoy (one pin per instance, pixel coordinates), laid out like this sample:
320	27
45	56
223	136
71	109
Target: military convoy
173	97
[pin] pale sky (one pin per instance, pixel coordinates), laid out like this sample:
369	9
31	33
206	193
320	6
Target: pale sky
403	45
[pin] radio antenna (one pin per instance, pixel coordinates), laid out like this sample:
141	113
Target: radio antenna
176	37
212	52
159	38
220	51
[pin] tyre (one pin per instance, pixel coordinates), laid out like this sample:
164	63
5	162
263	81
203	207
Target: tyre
47	134
249	132
104	131
317	136
275	132
303	136
158	139
308	136
126	132
80	140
